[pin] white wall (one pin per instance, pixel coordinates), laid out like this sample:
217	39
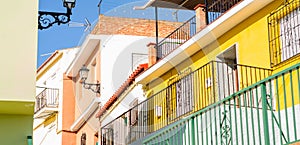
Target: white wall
124	104
116	60
47	135
53	78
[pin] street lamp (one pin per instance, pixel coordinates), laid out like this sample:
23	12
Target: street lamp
83	72
47	19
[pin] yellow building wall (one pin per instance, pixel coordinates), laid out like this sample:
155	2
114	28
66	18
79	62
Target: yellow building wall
18	35
18	45
287	86
287	90
251	39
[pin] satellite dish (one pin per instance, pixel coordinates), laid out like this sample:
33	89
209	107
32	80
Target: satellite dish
87	25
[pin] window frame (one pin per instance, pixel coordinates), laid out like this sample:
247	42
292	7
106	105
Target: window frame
275	34
178	86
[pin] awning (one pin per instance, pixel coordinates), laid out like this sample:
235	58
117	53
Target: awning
175	4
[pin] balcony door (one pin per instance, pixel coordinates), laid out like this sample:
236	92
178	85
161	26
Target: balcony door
227	73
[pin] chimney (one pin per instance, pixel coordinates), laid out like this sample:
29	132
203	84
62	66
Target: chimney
200	17
151	54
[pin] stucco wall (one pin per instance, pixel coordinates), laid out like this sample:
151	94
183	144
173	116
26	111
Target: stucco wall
15	129
18	34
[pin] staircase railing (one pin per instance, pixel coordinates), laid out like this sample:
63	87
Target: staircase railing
263	113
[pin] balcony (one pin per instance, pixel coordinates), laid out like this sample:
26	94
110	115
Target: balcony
211	10
46	103
187	93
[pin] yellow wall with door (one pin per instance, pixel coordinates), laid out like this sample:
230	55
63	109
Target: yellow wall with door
250	37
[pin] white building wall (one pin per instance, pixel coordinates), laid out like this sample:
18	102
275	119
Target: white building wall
124	104
43	133
47	135
116	61
119	127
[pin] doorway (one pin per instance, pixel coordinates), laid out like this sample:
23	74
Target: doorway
227	72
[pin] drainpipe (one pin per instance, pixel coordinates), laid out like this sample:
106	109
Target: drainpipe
156	29
206	12
156	18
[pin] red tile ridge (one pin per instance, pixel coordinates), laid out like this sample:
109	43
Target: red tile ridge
122	88
151	43
47	60
199	5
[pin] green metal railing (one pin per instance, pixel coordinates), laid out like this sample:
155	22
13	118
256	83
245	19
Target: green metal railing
267	112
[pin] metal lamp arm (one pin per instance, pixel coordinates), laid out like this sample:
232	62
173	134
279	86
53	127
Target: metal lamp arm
94	87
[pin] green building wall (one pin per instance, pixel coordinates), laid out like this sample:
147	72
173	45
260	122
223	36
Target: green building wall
14	129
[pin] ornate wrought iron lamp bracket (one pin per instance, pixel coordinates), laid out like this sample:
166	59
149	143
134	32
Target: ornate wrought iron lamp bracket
47	19
93	87
83	72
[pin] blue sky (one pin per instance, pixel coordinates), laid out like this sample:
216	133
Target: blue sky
63	36
60	37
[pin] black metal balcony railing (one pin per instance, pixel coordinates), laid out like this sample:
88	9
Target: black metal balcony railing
188	92
177	37
213	10
47	98
218	7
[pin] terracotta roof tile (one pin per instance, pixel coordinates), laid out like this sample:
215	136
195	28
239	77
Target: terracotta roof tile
123	87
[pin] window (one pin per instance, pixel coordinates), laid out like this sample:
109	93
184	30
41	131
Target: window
284	32
137	59
107	136
93	71
83	139
184	95
289	34
134	113
180	95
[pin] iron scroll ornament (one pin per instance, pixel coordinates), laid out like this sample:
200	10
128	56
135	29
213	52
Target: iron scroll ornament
47	19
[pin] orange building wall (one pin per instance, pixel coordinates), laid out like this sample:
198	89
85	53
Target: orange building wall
68	112
83	98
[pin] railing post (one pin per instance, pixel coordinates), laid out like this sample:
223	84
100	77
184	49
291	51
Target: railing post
265	114
129	129
156	32
193	130
206	12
